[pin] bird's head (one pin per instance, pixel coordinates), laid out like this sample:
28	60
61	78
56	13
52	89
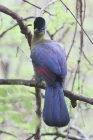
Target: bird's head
39	25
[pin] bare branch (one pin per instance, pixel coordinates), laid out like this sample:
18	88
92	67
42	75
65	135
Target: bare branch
18	48
8	29
58	134
29	138
8	133
72	96
87	59
85	137
38	112
76	20
46	6
37	7
57	30
62	135
65	33
23	26
73	40
84	9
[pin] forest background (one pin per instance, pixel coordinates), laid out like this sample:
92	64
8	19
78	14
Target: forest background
69	22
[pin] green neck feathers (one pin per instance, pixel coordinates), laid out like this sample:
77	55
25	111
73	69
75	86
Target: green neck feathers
36	39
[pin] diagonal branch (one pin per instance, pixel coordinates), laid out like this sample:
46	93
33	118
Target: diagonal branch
87	59
46	6
57	30
7	133
8	29
22	25
37	7
76	20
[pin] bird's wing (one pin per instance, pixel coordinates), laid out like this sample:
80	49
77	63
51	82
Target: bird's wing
49	60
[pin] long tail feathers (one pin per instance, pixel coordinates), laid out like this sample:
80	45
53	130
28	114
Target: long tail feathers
55	111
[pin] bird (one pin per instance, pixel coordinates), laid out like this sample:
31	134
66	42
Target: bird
49	62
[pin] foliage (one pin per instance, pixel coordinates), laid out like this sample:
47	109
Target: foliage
18	103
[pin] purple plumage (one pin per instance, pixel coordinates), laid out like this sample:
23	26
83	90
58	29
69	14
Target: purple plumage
49	63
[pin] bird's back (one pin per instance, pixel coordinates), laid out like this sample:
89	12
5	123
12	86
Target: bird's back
52	56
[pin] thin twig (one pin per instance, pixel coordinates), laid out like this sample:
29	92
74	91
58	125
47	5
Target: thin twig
38	7
8	133
76	69
57	30
85	137
87	59
29	138
46	6
8	29
73	40
76	20
64	33
18	48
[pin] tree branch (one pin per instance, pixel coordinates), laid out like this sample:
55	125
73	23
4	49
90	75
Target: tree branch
38	112
46	6
32	83
62	135
22	25
38	7
87	59
76	20
79	131
8	133
58	134
8	29
73	40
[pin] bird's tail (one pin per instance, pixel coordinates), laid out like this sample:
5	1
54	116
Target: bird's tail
55	111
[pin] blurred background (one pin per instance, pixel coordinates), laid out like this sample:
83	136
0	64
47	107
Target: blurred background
18	103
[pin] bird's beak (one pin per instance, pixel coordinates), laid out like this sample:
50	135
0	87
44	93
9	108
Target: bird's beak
42	31
36	30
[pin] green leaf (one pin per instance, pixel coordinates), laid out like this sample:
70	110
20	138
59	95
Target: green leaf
1	120
14	115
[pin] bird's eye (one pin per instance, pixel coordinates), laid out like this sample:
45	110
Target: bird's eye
41	29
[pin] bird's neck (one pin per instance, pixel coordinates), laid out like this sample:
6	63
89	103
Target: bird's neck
36	39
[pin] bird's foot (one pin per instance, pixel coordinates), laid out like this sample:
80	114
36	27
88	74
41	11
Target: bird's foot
37	79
